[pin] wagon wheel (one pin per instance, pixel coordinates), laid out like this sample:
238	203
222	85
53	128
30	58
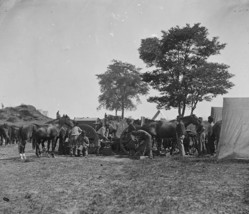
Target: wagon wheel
91	134
125	140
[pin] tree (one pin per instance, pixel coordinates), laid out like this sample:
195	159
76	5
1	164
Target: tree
120	85
182	73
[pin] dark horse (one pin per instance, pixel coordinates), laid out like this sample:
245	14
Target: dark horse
161	130
165	131
51	132
26	133
4	133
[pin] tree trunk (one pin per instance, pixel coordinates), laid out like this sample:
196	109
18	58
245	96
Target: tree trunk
122	113
179	109
183	110
122	108
193	107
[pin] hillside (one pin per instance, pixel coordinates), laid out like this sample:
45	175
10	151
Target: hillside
20	115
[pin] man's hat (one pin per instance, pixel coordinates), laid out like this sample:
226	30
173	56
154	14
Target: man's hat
210	118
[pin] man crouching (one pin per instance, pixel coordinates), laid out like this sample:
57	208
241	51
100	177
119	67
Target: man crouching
145	142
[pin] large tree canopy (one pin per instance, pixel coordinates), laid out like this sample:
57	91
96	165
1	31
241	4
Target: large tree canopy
120	85
182	74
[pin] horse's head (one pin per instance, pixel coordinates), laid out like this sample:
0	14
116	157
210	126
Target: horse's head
192	119
65	120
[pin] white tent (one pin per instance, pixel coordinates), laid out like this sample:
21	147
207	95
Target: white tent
234	136
216	113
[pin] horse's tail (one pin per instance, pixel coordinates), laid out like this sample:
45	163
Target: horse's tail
33	143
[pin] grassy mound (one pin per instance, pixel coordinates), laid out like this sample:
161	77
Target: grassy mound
20	115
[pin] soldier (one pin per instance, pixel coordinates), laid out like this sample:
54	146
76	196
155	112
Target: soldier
210	138
131	126
180	134
145	142
75	132
201	134
102	136
83	144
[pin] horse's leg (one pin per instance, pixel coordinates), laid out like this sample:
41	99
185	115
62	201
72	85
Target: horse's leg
60	149
159	145
61	146
23	150
172	146
37	148
53	146
20	149
48	145
55	142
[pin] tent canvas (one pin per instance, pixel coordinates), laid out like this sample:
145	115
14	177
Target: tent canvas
216	113
234	136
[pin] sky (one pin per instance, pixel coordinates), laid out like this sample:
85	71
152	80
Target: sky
51	50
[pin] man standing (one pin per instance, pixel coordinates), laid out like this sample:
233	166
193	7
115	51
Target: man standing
145	142
75	132
180	135
131	126
102	136
83	144
210	138
201	137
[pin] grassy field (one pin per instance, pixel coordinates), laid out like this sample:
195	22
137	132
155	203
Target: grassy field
121	185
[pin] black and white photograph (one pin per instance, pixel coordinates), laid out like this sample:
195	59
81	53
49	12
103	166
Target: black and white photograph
124	107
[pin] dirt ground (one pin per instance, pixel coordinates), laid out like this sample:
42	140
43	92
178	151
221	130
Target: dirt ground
121	185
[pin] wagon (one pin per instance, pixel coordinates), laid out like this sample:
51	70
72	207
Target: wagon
89	125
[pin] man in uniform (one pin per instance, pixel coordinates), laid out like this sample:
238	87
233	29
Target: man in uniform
201	136
131	126
75	132
145	142
180	134
102	135
83	144
210	138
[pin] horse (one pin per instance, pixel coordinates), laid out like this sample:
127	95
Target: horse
14	134
4	133
50	132
63	135
162	130
26	133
